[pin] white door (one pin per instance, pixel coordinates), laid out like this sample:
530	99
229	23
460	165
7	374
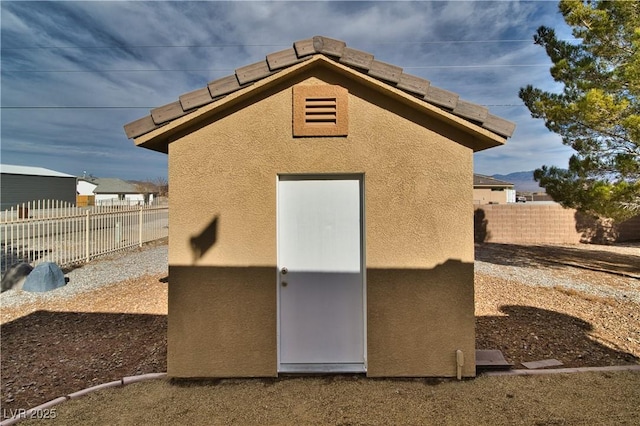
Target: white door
321	286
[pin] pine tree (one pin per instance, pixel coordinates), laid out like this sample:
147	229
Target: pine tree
598	112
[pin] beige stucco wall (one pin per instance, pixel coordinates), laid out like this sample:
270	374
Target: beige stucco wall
487	196
418	225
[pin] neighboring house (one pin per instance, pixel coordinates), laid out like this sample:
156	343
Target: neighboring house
112	191
320	218
24	184
488	190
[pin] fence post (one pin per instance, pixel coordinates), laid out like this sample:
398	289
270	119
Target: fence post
118	236
86	246
140	228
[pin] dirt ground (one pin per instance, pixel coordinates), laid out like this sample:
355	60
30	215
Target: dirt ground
55	348
574	399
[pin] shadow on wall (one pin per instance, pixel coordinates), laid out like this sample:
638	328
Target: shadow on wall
595	230
241	303
104	347
480	233
544	334
202	242
605	231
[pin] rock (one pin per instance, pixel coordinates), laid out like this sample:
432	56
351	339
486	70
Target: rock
44	277
15	276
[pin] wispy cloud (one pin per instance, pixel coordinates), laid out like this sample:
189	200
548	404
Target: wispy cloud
146	54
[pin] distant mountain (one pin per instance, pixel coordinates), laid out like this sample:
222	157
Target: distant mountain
523	181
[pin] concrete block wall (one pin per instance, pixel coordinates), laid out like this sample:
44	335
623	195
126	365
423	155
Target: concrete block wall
547	224
629	230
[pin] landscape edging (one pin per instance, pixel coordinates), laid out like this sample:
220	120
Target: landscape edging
634	367
42	408
153	376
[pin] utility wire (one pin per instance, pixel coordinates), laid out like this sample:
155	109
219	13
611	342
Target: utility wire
231	69
224	45
73	107
152	107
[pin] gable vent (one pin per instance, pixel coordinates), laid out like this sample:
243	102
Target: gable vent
320	110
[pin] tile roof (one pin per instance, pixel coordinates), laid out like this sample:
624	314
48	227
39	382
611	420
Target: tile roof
335	50
482	180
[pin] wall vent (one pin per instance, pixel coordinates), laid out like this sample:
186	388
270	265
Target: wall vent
320	110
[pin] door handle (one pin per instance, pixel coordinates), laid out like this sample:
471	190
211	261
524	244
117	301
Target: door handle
284	270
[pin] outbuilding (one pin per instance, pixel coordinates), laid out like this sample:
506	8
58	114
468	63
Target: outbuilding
321	218
25	184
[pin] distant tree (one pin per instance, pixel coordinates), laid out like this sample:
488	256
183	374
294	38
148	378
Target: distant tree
162	184
158	186
598	112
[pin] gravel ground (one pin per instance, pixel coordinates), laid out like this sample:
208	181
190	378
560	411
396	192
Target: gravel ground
122	266
600	271
490	260
550	279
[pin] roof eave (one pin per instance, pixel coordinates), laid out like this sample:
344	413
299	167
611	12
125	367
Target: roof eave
485	138
492	186
159	138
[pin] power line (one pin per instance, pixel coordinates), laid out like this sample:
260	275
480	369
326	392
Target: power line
25	107
118	70
157	46
480	66
73	107
225	45
231	69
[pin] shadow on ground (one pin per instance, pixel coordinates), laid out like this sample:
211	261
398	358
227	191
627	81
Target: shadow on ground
544	334
559	256
50	354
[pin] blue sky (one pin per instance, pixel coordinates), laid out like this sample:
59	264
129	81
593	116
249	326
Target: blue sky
73	73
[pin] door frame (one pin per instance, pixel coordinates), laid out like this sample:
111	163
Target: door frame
325	368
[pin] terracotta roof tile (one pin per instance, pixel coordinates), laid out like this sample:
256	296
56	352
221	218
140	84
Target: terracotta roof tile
224	86
283	59
195	99
140	127
167	112
471	111
441	97
253	72
356	58
304	47
411	83
336	50
499	125
329	46
384	71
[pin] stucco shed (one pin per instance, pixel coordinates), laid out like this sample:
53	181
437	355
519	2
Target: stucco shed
321	218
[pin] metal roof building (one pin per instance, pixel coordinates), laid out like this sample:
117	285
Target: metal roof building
22	184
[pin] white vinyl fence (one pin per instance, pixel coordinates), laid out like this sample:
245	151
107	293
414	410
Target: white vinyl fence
54	231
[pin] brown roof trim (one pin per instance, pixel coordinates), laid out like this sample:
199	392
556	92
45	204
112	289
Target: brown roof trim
336	50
